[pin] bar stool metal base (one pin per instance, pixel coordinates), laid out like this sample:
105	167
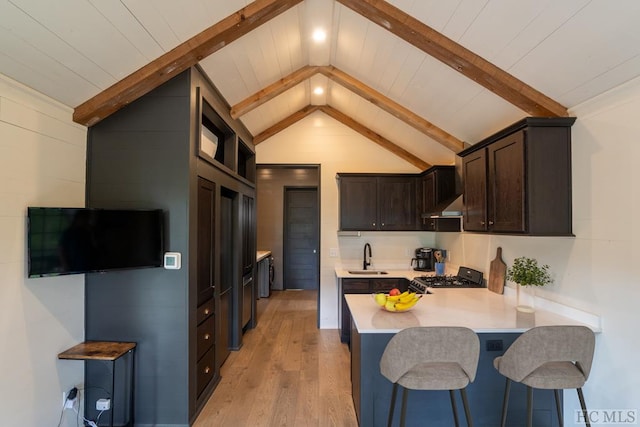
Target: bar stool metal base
505	405
403	408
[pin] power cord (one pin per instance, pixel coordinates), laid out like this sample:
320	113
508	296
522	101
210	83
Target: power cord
71	396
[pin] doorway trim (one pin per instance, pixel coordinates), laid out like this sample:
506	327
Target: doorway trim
264	178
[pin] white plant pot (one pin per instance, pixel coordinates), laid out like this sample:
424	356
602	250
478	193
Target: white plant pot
526	299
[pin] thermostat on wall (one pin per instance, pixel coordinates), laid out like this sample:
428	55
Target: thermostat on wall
172	260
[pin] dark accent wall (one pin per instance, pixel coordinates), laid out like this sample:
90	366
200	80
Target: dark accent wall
140	158
146	156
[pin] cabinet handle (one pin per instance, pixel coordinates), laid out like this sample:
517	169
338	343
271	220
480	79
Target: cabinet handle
207	336
207	370
206	311
374	224
433	224
383	224
481	222
490	222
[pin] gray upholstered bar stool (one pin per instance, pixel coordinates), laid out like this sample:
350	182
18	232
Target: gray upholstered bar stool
548	357
431	358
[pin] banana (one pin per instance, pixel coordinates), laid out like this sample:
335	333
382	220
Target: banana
393	298
403	306
407	297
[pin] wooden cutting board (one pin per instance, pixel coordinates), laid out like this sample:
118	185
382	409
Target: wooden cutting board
497	273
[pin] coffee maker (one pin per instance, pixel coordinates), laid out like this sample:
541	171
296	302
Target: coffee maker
424	259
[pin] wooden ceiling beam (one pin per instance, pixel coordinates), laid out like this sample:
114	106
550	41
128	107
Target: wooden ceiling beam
393	108
347	121
375	137
457	57
359	88
179	59
285	123
273	90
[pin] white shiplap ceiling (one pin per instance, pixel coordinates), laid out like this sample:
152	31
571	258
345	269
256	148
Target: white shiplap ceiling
570	50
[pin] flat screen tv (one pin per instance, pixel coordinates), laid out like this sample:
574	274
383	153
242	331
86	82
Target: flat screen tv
83	240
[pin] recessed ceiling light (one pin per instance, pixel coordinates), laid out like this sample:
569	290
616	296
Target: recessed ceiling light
319	35
318	90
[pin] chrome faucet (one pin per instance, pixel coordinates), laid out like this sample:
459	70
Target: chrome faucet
364	257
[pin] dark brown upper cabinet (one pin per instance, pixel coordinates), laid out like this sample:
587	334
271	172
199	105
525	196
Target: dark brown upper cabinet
436	191
518	181
377	202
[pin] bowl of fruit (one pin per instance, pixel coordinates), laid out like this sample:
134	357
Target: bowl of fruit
396	301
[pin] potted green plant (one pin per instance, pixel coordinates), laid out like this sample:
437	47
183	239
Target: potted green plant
526	272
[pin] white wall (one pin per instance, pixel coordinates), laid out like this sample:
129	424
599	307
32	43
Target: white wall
595	271
318	139
42	163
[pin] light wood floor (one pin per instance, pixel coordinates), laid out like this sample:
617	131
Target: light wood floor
288	372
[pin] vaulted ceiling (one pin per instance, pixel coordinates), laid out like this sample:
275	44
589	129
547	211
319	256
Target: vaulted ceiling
419	77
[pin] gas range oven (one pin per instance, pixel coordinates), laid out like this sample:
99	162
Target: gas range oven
466	278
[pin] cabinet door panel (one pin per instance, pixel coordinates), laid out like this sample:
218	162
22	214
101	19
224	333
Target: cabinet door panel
206	209
396	198
506	184
358	203
385	285
206	337
350	286
475	191
248	234
428	193
205	370
355	286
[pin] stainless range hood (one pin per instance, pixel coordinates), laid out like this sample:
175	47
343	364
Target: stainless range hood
444	216
450	207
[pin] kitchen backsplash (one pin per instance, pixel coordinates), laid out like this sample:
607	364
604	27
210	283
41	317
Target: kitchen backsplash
388	249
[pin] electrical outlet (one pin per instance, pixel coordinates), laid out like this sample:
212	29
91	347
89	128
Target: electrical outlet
494	345
68	404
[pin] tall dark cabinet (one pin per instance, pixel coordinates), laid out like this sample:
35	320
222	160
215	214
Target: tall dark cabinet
176	149
249	231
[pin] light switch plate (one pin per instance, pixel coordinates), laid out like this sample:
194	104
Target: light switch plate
172	261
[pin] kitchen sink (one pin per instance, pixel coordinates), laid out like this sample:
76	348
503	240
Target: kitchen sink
369	272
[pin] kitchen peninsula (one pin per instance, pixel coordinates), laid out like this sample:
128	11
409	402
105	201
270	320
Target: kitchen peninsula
497	323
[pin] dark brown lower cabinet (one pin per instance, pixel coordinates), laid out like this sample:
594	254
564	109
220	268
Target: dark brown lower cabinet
364	286
206	366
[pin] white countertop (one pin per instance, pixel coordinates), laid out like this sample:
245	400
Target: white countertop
409	274
477	309
260	255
